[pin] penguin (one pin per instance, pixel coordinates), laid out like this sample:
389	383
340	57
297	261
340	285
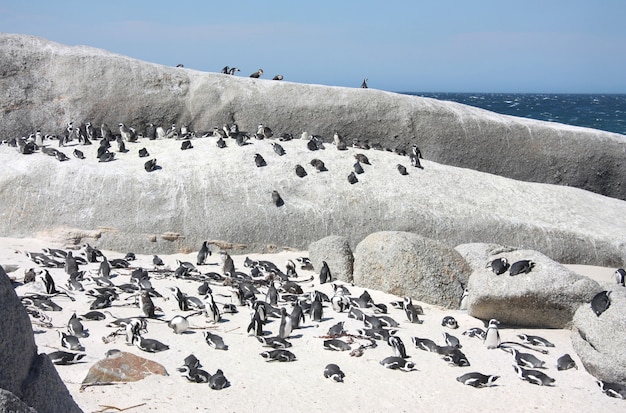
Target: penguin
221	143
358	168
194	374
450	322
333	372
565	362
259	161
402	169
63	358
257	74
49	285
297	315
317	310
499	266
476	379
70	342
455	357
78	154
178	324
620	275
256	323
280	151
274	342
463	303
398	346
75	327
526	359
352	179
616	390
451	340
218	381
143	153
325	275
397	363
150	165
533	376
521	267
410	311
340	303
71	266
475	332
186	144
300	171
233	70
336	344
336	330
203	253
212	311
364	84
150	132
61	156
278	355
276	199
146	305
93	316
600	302
286	327
104	269
148	345
362	158
535	340
492	336
415	161
215	341
318	165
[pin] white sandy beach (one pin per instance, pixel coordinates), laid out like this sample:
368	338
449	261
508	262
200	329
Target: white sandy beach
300	386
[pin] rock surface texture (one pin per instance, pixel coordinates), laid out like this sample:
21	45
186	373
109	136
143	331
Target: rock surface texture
546	297
410	265
28	376
599	340
43	89
336	251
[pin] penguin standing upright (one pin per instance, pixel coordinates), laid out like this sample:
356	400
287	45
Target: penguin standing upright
411	311
203	253
398	346
317	310
492	336
284	331
325	275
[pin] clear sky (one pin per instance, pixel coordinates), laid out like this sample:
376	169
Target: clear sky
555	46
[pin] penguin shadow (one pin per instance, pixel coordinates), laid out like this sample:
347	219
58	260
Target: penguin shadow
294	336
155	168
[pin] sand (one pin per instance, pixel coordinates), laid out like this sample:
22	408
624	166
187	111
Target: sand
300	385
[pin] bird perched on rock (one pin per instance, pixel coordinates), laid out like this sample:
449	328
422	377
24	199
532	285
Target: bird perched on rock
257	74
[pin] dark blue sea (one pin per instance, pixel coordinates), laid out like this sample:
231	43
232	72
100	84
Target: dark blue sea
599	111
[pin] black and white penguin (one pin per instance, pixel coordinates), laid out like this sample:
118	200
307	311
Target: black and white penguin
75	327
300	171
600	302
492	335
178	324
450	322
475	332
535	340
148	345
358	168
521	267
325	274
296	316
317	310
526	359
274	342
397	363
620	276
336	330
146	305
218	381
143	153
364	84
63	358
318	165
203	253
286	327
533	376
278	77
415	161
257	74
280	151
194	374
186	144
612	389
70	342
398	346
499	265
150	165
402	169
565	362
336	344
78	154
215	341
233	70
333	372
277	199
451	340
259	160
93	316
454	357
410	311
256	323
352	179
476	379
278	355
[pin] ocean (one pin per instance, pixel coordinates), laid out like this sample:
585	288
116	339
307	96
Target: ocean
599	111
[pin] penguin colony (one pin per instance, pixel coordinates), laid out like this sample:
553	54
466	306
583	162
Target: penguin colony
212	296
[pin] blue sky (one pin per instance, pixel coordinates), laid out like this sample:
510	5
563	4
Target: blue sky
530	46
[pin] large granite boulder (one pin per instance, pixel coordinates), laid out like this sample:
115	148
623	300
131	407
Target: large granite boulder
29	376
336	251
407	264
546	297
122	367
42	88
599	340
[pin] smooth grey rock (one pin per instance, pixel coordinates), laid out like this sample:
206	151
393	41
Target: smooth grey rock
43	89
336	251
547	297
408	264
599	341
29	376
